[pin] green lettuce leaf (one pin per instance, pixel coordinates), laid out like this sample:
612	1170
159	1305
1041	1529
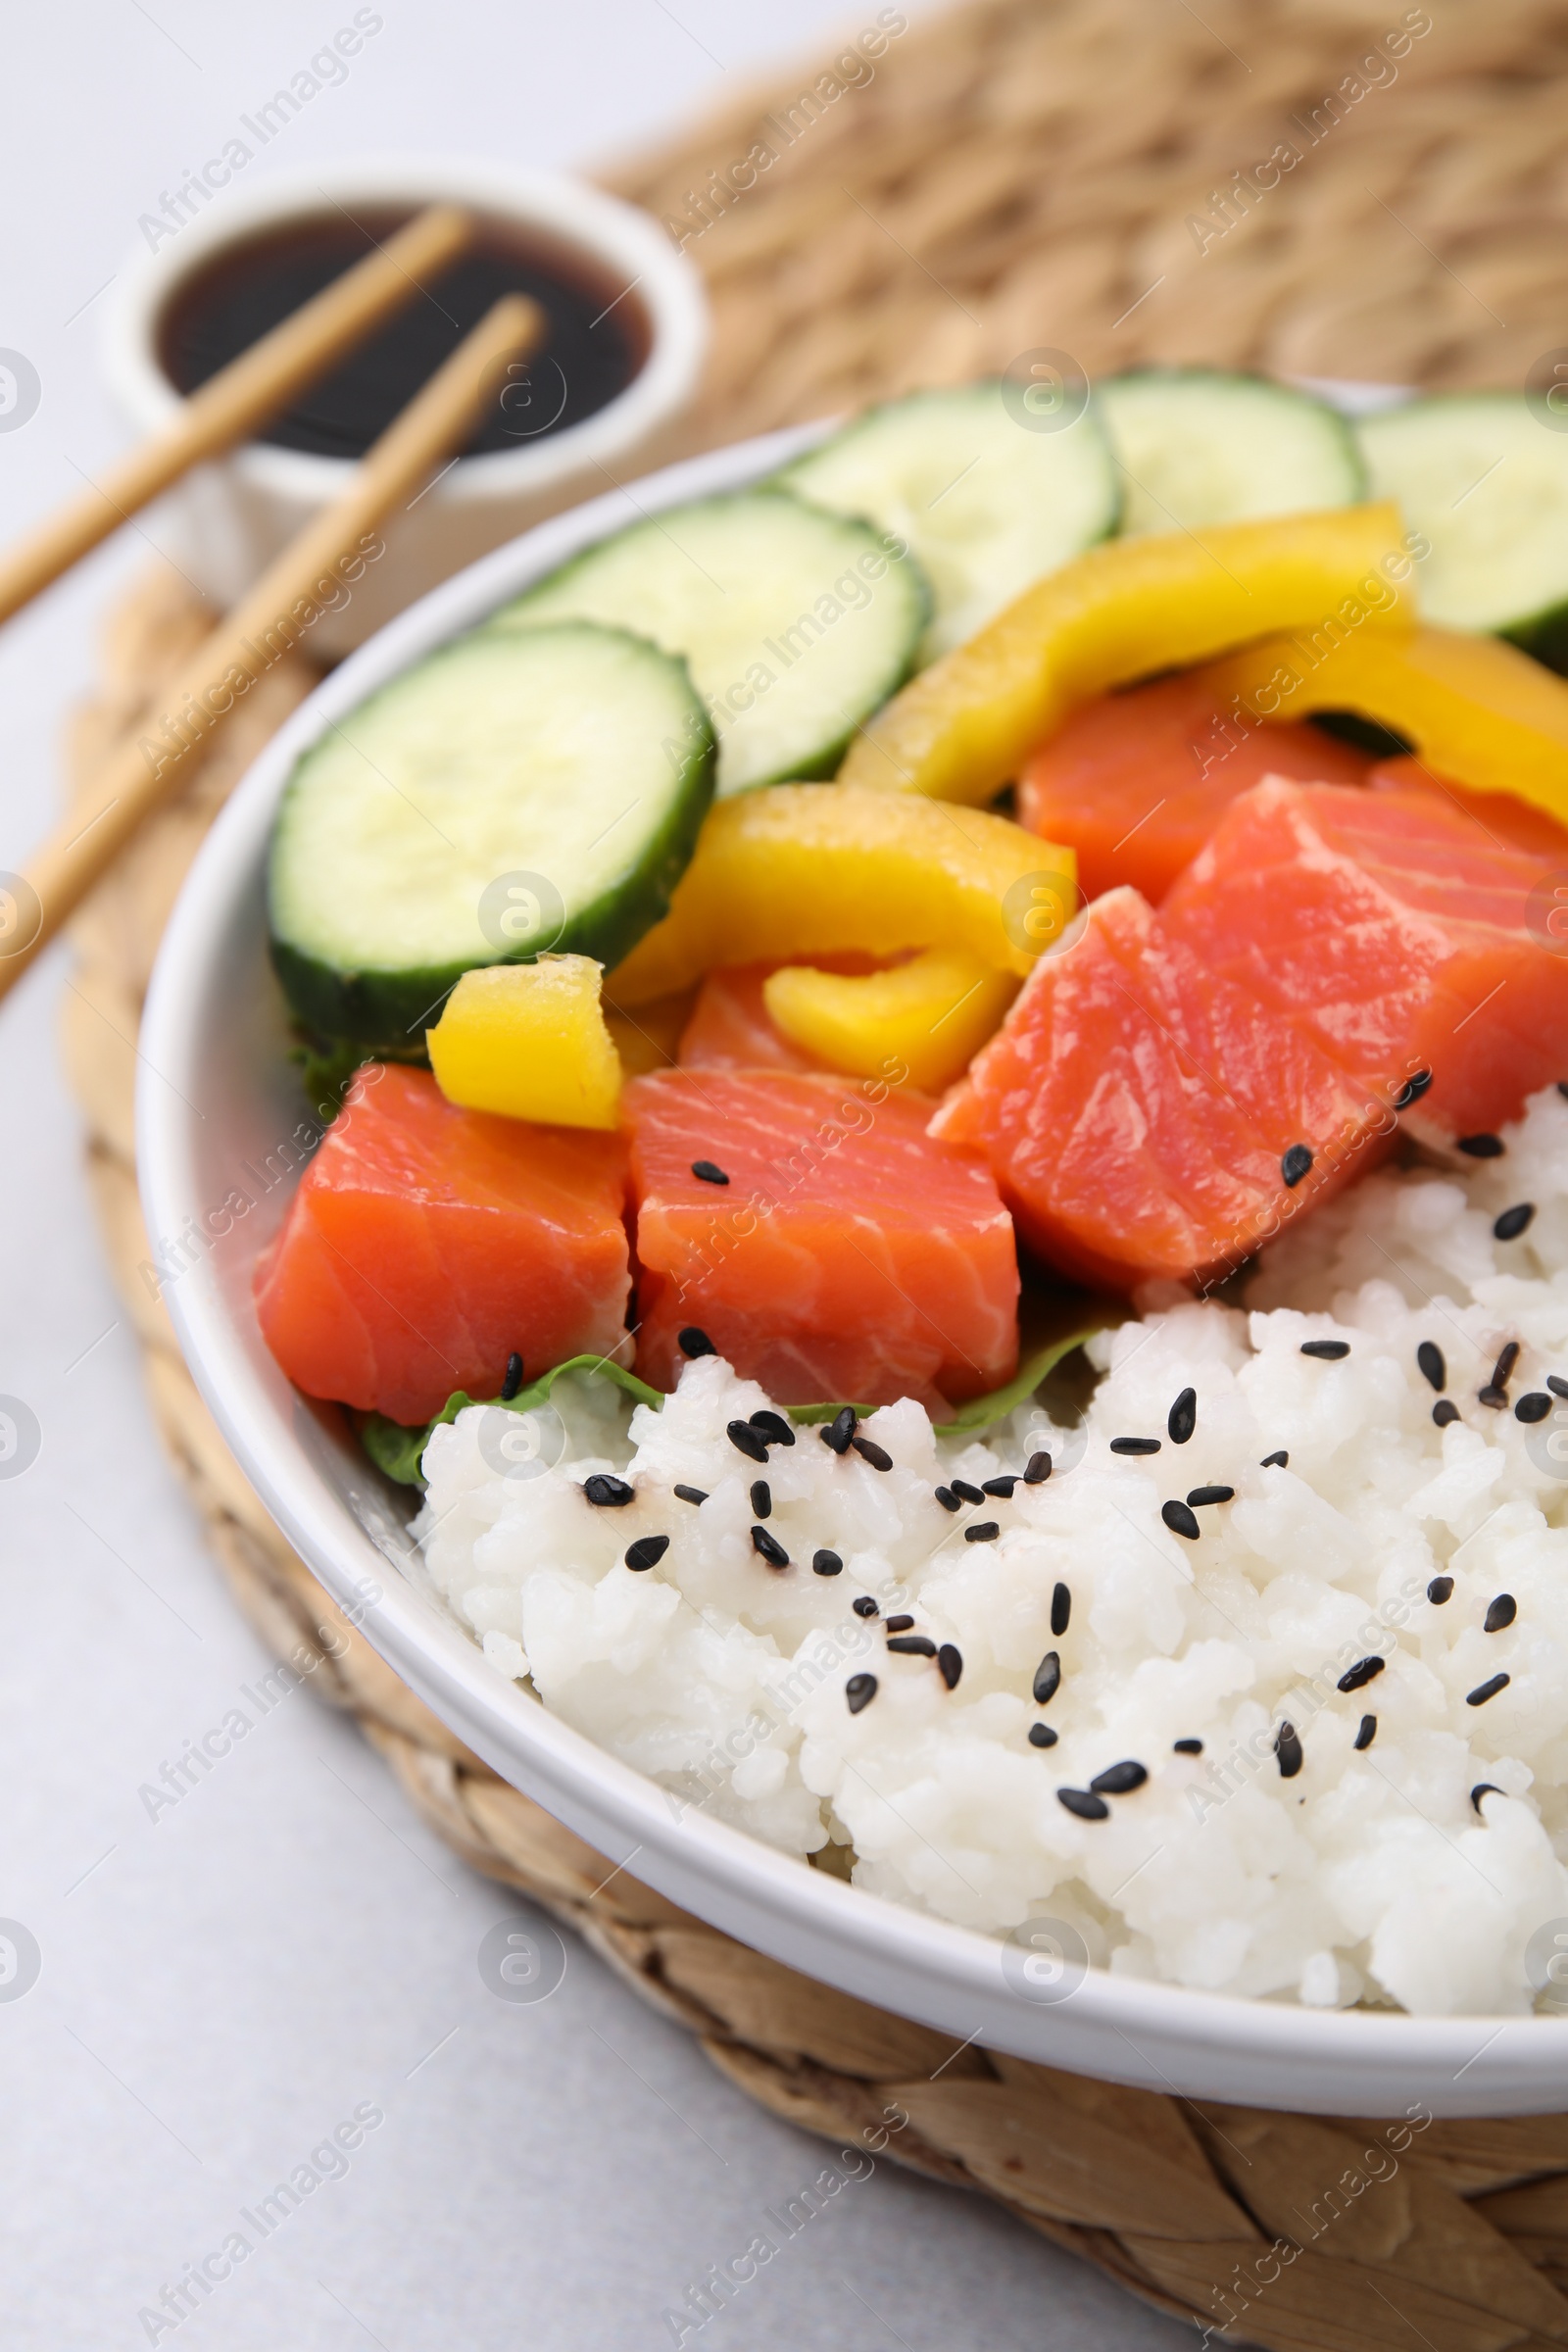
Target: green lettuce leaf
807	1415
981	1413
398	1450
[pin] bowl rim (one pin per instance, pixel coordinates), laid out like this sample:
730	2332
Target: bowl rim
620	237
1158	2036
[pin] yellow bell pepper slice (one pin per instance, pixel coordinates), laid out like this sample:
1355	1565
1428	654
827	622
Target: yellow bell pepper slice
1123	611
933	1014
1478	712
530	1040
812	870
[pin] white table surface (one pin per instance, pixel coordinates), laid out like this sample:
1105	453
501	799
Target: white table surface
223	1985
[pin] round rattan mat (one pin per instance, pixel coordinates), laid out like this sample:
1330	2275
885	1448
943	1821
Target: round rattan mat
1085	177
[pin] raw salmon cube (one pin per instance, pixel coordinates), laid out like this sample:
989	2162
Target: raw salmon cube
1146	1118
846	1256
1136	782
1518	824
730	1027
426	1243
1393	931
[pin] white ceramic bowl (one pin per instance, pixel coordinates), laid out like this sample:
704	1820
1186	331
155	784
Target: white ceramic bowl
226	520
216	1098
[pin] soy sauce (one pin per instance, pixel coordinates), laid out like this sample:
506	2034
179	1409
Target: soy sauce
596	341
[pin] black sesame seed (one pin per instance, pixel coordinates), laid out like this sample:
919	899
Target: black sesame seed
1481	1147
1135	1444
1179	1520
1288	1749
1048	1679
1295	1165
826	1563
999	1487
1439	1589
706	1170
859	1691
966	1491
1038	1471
1187	1747
1042	1735
870	1452
694	1342
1492	1396
1060	1609
1513	1221
983	1531
761	1499
1484	1789
1556	1383
1364	1671
1412	1089
899	1624
513	1381
1325	1351
1562	1088
691	1493
1368	1733
1275	1461
1501	1612
1181	1419
950	1664
913	1645
747	1439
948	1499
1118	1780
1503	1369
839	1433
1445	1412
1431	1366
606	1491
1086	1806
1198	1495
770	1549
865	1606
1534	1407
646	1551
1479	1696
774	1426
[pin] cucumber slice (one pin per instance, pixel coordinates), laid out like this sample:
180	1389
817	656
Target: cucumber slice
1486	483
508	796
795	624
987	505
1200	447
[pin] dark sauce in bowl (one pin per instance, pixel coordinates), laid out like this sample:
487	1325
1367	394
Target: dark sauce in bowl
596	341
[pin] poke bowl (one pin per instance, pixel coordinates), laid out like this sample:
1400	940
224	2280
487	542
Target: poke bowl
1381	1303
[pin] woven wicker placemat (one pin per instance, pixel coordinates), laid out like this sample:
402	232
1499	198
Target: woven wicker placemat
1008	177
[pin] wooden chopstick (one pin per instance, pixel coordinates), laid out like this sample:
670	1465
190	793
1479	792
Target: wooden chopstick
138	775
240	398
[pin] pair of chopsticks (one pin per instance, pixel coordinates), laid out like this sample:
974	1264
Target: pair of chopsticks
139	776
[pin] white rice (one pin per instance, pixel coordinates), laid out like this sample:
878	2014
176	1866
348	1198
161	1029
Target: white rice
1370	1876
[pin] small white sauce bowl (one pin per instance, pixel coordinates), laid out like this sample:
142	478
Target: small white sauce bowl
226	520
